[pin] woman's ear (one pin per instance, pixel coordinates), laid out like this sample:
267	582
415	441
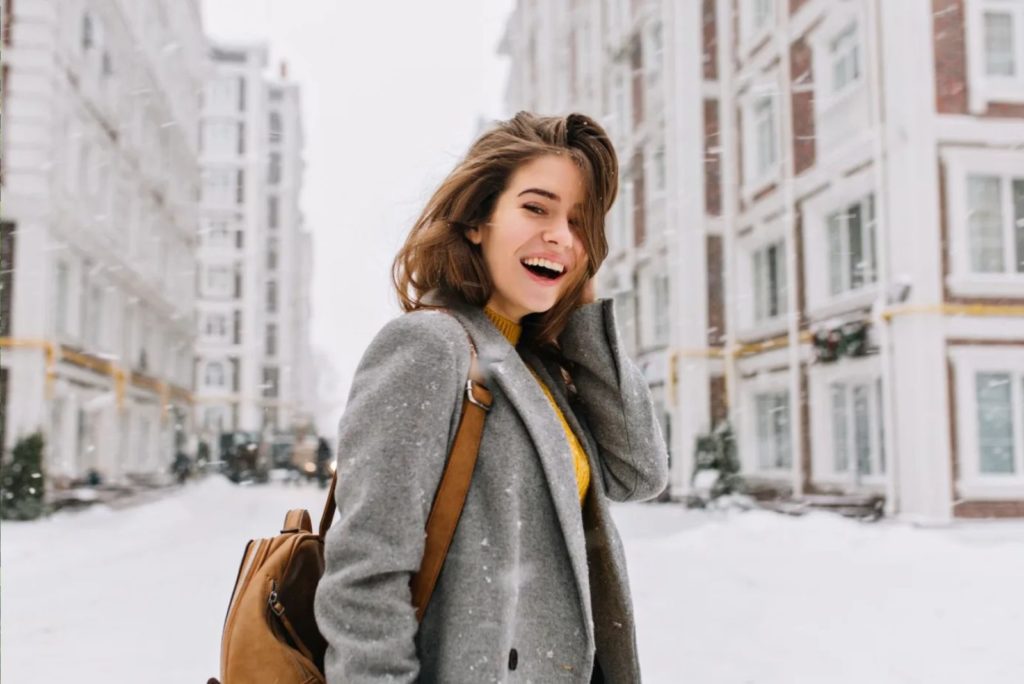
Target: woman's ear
473	234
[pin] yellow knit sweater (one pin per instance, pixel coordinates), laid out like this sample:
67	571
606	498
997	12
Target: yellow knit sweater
512	331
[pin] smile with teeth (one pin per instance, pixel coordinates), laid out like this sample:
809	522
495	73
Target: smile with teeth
544	268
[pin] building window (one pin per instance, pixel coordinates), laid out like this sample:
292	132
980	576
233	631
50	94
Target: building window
63	284
94	330
271	339
274	168
857	437
639	201
659	171
216	233
88	32
270	377
273	206
275	127
985	210
271	296
272	243
662	312
270	418
766	145
217	187
240	133
844	53
636	65
236	327
216	325
241	93
1000	52
769	279
995	52
756	17
214	375
240	186
771	410
997	404
995	223
218	280
851	246
656	43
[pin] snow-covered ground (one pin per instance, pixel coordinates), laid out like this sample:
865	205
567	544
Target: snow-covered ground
138	595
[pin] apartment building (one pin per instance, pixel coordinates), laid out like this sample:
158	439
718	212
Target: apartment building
818	235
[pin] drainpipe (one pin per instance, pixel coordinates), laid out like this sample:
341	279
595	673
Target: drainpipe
881	321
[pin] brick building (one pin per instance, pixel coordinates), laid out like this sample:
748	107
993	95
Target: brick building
821	230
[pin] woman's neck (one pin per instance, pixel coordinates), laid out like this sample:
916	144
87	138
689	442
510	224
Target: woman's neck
511	329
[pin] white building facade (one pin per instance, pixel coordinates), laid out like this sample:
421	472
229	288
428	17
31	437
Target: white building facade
831	255
253	305
100	175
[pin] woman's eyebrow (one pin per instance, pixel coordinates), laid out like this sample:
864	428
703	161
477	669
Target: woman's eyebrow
543	193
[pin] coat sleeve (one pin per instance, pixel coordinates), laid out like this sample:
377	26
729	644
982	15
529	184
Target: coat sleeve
392	447
616	405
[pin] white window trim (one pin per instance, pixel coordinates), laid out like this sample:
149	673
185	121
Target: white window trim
749	447
836	21
753	180
820	379
752	36
984	89
762	236
967	362
959	164
820	302
225	380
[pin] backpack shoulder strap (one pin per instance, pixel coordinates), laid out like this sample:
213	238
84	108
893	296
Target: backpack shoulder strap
451	492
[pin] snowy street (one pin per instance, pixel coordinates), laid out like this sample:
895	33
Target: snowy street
139	594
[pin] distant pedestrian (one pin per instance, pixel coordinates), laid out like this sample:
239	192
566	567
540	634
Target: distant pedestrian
323	462
181	467
535	578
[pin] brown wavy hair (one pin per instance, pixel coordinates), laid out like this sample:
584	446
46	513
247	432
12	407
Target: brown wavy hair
437	255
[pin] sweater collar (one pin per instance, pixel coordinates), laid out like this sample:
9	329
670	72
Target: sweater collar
509	328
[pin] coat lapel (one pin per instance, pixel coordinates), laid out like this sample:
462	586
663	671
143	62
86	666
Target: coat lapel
502	366
552	447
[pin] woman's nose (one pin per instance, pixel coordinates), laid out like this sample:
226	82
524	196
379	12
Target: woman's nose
560	233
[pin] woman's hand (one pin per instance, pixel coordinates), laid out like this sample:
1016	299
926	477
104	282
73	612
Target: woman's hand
589	292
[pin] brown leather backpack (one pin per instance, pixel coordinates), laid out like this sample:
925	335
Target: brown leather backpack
270	633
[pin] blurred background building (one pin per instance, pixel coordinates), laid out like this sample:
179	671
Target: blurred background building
150	231
253	356
100	178
820	231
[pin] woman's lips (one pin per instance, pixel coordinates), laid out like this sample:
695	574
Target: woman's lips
542	280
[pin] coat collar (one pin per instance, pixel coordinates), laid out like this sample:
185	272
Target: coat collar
503	367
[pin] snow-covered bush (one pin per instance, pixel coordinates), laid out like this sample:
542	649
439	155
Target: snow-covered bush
22	482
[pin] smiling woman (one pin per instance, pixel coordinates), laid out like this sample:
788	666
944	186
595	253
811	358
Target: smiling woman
531	188
534	579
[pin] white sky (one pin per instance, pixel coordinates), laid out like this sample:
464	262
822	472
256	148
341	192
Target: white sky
392	94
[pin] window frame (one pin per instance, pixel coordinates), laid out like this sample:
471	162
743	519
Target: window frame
848	373
961	163
983	88
755	177
968	361
761	385
752	33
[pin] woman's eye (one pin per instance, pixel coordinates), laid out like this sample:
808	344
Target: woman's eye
533	208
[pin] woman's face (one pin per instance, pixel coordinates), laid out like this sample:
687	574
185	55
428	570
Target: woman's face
530	245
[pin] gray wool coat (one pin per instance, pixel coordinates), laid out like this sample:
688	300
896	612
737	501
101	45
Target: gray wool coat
534	585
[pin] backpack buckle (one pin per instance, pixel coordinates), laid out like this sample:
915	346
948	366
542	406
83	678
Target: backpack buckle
471	398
